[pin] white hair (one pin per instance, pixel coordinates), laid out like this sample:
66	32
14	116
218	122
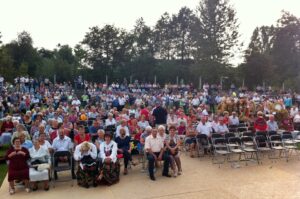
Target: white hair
161	127
148	128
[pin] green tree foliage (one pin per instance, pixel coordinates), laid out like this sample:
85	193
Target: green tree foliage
217	32
273	55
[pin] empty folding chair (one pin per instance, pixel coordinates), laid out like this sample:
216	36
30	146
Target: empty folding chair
248	145
232	128
261	133
270	133
277	145
235	148
220	150
215	136
290	145
228	135
262	146
248	134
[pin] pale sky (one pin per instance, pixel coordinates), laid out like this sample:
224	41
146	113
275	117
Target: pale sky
66	21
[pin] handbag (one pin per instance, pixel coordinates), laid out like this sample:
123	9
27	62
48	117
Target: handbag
44	166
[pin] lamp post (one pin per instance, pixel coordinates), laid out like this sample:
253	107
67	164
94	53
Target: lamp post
221	81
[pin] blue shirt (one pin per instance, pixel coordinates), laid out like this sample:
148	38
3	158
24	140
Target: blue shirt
27	144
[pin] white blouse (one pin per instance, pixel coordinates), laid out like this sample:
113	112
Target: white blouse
41	154
112	147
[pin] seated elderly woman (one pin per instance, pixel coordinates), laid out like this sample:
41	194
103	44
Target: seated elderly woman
173	144
109	167
40	165
27	143
190	140
20	128
18	169
6	131
86	154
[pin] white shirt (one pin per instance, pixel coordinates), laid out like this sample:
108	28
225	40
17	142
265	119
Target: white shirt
113	147
109	122
122	101
297	118
143	124
234	120
40	154
162	138
221	128
272	126
118	130
92	152
46	145
172	120
204	128
62	144
76	102
155	144
293	111
195	102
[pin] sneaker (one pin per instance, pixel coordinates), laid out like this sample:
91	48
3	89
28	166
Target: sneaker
179	173
12	191
175	174
27	190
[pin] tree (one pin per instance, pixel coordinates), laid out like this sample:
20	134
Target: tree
163	33
262	40
182	23
107	49
216	33
143	39
23	52
286	50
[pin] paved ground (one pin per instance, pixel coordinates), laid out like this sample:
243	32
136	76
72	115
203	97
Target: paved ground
200	179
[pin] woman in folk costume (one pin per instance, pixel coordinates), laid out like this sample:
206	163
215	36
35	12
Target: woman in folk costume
260	123
110	167
86	154
243	109
222	106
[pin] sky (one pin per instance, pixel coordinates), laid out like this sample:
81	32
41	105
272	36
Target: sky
66	21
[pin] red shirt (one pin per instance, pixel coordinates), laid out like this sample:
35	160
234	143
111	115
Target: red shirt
145	112
260	124
79	140
6	125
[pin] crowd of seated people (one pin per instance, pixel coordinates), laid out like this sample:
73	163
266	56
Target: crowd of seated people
94	133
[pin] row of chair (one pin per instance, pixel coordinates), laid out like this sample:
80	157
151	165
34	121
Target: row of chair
250	146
